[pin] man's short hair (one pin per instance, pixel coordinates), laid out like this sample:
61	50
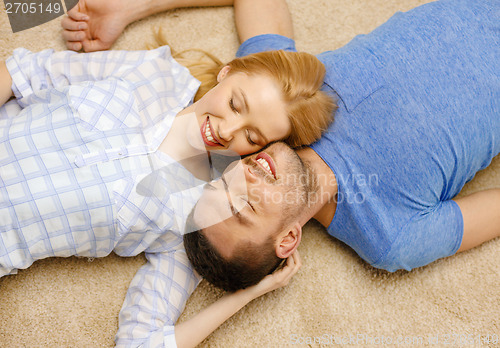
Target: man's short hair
247	266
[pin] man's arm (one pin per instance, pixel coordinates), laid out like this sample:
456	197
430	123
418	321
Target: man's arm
257	17
94	25
5	84
481	215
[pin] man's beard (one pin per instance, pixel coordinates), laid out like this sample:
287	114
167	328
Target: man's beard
306	182
300	180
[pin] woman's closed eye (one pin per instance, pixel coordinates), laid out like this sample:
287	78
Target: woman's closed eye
247	132
232	106
249	138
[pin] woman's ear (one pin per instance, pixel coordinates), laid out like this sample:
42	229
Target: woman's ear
288	241
223	73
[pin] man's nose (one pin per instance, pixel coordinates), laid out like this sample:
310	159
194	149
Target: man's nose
235	176
236	185
239	175
229	128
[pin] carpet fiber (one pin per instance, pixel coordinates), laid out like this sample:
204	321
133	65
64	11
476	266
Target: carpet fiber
335	297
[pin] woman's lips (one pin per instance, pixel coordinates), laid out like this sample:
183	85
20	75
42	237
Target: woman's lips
207	134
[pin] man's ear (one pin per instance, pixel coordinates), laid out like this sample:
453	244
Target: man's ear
223	73
288	241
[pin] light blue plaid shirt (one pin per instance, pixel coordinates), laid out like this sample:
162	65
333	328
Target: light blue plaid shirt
80	174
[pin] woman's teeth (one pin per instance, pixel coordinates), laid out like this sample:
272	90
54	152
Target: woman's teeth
265	164
208	133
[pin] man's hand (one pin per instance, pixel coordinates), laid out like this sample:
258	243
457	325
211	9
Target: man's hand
94	25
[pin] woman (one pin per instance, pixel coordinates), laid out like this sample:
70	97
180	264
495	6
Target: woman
87	131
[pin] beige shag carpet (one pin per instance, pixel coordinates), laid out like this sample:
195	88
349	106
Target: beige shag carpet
335	298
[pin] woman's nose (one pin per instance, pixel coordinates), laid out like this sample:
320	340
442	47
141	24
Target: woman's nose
228	129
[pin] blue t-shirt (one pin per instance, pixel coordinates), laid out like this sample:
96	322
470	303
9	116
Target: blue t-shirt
418	116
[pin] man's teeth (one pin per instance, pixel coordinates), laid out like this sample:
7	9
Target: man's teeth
265	164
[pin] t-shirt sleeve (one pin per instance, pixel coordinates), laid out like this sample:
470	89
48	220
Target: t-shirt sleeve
266	42
432	234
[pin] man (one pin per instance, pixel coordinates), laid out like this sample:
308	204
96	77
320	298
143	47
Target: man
419	115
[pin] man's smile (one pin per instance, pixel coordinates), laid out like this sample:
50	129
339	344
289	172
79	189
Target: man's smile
266	162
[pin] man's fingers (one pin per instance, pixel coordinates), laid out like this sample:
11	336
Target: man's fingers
95	45
69	24
72	36
77	15
74	46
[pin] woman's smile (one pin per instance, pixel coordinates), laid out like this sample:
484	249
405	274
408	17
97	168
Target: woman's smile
208	134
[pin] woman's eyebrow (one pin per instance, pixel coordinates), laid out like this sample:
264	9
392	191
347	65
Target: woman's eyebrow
246	107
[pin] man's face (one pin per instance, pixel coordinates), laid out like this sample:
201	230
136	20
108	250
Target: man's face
254	199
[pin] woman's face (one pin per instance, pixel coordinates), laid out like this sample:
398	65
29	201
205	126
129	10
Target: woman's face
243	113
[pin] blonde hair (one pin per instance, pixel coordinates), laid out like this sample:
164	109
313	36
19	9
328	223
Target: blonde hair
299	75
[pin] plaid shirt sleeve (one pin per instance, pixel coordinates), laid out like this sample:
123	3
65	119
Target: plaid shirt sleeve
155	299
32	72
